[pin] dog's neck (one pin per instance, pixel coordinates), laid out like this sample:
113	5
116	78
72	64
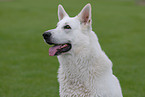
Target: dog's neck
78	60
83	69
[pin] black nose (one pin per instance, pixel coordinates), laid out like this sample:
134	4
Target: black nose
46	35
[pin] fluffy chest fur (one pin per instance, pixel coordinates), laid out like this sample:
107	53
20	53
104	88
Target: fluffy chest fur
86	76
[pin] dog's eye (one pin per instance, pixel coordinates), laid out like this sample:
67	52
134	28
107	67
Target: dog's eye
67	27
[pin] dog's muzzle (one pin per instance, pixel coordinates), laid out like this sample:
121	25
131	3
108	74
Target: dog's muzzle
57	49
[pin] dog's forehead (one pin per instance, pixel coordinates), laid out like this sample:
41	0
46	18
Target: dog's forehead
68	21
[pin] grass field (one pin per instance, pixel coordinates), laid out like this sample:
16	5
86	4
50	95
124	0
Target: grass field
26	69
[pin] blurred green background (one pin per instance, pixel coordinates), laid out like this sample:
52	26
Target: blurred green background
26	69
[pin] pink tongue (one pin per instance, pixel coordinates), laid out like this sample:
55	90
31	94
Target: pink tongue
53	50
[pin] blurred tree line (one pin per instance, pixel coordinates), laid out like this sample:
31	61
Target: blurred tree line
141	2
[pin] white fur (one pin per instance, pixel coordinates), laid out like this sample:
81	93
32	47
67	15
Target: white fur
85	71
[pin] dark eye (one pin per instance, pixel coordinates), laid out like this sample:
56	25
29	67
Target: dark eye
67	27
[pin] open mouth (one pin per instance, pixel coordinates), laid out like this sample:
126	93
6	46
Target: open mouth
58	49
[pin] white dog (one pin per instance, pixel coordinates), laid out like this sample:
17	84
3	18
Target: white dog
85	70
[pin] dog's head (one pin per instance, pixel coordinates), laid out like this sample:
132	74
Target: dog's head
70	32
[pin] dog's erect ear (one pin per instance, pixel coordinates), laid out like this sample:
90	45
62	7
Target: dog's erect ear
61	12
85	15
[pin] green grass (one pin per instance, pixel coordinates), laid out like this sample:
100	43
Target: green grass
26	69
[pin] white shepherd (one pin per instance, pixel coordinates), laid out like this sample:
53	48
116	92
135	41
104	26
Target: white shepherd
85	70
